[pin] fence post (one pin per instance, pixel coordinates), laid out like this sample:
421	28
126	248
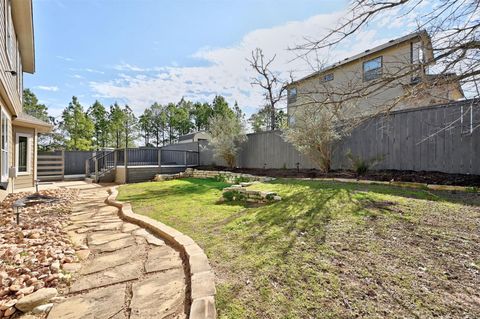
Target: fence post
87	168
96	170
160	160
63	165
185	158
115	159
125	161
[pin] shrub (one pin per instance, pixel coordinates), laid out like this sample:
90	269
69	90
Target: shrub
362	166
220	178
241	179
229	196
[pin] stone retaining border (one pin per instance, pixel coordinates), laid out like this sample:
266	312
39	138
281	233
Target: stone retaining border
202	278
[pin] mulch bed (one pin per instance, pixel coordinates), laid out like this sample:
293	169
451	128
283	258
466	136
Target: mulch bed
437	178
32	252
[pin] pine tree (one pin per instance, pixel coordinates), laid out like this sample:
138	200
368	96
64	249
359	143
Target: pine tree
78	126
99	116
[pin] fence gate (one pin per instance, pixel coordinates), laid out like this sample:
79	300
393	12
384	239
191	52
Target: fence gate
50	166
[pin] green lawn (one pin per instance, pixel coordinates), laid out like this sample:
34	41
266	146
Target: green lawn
328	250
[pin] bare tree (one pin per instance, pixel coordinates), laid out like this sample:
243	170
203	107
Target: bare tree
453	26
269	81
227	132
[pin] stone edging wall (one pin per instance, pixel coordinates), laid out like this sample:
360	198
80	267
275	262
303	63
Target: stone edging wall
202	279
195	173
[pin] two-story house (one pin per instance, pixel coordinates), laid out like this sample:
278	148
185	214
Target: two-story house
18	131
392	76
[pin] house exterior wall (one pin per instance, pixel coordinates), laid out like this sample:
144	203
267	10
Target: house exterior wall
396	62
11	92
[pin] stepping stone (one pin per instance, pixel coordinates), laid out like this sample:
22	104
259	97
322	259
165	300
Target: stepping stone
108	226
128	227
83	254
109	209
102	303
122	273
77	239
161	296
103	238
162	258
151	239
120	257
116	245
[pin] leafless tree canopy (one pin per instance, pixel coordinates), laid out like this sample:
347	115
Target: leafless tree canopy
453	26
268	80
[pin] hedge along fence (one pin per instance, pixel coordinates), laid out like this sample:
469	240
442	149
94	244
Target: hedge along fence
443	138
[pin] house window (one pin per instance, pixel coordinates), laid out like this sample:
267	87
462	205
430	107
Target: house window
23	154
10	42
372	69
328	77
292	95
4	146
291	120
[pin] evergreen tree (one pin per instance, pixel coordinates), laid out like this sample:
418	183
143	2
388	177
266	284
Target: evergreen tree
33	108
117	119
220	107
201	115
159	125
78	126
147	125
130	126
99	116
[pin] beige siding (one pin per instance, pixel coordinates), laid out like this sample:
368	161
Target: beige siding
396	62
12	84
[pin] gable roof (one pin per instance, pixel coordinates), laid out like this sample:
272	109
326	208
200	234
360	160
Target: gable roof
420	34
23	119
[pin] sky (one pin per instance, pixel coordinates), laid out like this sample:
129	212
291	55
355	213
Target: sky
144	51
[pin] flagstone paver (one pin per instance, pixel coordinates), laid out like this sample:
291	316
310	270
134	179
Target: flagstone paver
126	272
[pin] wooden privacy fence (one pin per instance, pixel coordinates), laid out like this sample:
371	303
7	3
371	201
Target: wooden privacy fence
50	166
443	138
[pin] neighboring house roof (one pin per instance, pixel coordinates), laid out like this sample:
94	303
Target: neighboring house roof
190	136
22	15
372	51
23	119
186	137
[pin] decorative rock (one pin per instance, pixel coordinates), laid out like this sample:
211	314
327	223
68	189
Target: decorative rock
7	304
71	267
10	311
35	299
43	308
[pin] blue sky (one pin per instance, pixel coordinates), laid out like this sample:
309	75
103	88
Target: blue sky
142	51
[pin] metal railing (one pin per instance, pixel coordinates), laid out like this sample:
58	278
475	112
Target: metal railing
105	161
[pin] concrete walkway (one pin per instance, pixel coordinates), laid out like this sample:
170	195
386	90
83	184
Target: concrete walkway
126	272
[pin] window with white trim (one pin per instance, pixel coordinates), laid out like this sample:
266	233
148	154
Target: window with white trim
4	145
372	69
23	153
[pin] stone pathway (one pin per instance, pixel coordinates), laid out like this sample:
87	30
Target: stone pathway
126	272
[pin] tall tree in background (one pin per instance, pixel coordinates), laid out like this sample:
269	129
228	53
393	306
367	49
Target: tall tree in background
269	81
159	123
130	126
202	113
33	108
78	126
99	116
117	120
221	107
181	117
146	125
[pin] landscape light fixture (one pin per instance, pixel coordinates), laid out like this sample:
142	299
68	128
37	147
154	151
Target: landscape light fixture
12	72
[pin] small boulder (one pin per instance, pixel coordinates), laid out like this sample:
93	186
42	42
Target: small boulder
38	298
43	308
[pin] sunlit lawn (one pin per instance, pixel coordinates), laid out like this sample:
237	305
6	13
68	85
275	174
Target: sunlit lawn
327	250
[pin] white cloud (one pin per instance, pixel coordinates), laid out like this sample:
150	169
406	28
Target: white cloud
65	58
94	71
47	88
227	72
